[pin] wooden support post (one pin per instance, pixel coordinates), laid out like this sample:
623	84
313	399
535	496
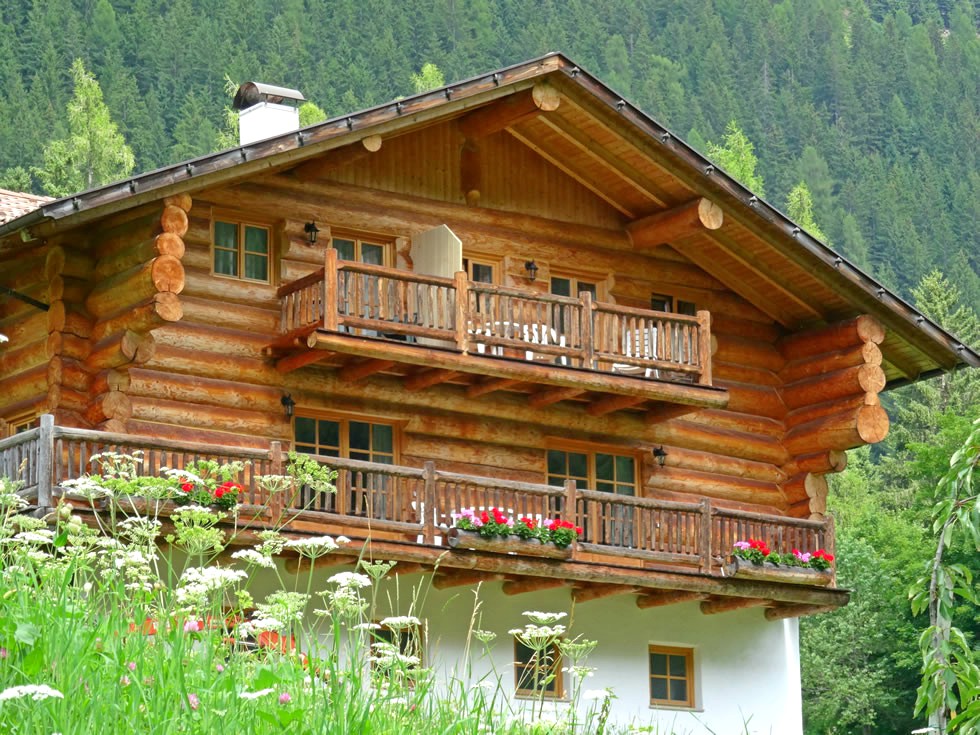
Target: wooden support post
705	541
276	502
45	460
429	503
570	512
588	346
462	311
330	289
704	346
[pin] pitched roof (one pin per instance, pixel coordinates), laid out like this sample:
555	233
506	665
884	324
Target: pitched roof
14	204
623	156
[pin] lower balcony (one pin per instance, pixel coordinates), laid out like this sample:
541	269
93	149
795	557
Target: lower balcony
664	552
368	319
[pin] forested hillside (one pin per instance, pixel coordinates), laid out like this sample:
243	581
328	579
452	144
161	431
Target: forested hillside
874	104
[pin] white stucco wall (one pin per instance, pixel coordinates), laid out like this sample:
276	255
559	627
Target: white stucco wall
747	673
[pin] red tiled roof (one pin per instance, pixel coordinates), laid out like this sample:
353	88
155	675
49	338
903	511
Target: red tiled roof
13	204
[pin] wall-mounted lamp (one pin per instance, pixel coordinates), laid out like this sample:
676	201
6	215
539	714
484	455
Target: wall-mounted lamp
660	454
288	403
532	269
311	232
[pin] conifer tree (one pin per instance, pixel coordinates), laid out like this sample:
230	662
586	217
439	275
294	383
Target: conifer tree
737	157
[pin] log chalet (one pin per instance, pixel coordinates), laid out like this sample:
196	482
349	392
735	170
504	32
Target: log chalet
518	292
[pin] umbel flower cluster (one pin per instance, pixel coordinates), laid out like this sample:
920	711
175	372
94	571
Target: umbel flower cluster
494	522
758	552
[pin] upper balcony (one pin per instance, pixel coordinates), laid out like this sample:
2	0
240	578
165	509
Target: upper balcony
367	319
662	551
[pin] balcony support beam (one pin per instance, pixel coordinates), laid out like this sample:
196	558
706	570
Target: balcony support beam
428	378
448	578
659	598
587	593
547	397
490	386
357	371
727	604
531	584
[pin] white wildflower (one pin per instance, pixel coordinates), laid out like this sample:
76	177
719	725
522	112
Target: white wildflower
260	625
599	694
400	621
43	536
367	626
544	618
350	579
251	557
256	695
37	692
315	547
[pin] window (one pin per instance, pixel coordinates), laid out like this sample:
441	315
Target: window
663	302
614	473
408	641
537	673
672	676
341	437
571	286
241	250
480	270
23	422
369	251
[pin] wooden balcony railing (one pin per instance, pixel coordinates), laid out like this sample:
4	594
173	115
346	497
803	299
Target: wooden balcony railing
497	321
418	503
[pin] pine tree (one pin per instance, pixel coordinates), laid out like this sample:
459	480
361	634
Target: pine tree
429	77
799	207
94	152
737	158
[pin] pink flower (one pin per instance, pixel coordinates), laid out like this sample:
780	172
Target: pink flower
3	653
192	626
219	668
741	545
131	666
193	702
284	698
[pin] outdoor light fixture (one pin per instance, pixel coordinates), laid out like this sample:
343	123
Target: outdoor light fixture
288	403
311	232
660	454
532	269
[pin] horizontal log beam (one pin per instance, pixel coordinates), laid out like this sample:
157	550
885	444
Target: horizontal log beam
660	598
428	378
609	404
833	337
588	593
548	397
509	111
782	612
727	604
490	386
666	227
531	584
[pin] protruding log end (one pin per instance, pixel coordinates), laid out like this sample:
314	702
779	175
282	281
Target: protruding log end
372	143
183	201
167	306
167	274
546	97
174	220
710	214
872	424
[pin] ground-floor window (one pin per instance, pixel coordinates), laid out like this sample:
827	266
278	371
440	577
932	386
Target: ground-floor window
672	676
537	673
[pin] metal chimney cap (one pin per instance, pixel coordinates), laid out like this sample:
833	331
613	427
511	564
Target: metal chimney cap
252	93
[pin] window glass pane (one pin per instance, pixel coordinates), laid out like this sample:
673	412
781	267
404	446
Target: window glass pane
257	267
604	467
678	666
482	273
686	307
557	462
658	689
658	664
305	430
678	690
345	248
256	240
561	286
360	436
625	470
226	235
659	302
590	287
226	262
605	487
330	434
578	464
383	438
372	254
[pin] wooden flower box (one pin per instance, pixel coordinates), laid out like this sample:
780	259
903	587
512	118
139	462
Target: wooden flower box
461	540
766	572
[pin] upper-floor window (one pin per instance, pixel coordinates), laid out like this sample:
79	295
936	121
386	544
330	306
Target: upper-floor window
573	286
241	250
667	303
614	473
371	251
345	437
671	676
480	270
21	423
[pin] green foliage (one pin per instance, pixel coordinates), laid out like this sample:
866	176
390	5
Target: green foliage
429	77
94	152
310	114
799	207
737	157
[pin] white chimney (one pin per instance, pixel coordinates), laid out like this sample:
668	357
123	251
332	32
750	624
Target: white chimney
265	111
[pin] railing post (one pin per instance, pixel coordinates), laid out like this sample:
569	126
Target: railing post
705	541
45	460
588	347
831	545
331	287
571	502
704	346
462	311
429	503
276	502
